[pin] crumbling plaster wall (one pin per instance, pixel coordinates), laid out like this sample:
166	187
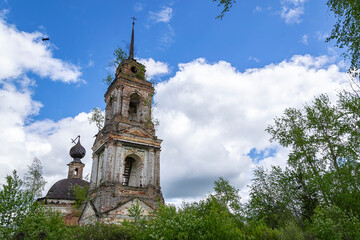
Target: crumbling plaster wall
109	165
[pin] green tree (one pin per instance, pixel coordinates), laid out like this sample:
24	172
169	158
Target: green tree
97	117
80	195
33	179
346	30
136	212
41	223
279	196
333	223
14	205
21	217
324	148
228	195
210	218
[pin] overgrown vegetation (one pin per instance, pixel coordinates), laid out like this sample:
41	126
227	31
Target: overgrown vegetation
80	195
118	56
97	117
314	197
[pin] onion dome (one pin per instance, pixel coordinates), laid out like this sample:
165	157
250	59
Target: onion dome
78	151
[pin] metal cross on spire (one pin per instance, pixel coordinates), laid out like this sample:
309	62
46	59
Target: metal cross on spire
131	54
73	140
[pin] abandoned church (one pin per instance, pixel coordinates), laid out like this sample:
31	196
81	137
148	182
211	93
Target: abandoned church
126	153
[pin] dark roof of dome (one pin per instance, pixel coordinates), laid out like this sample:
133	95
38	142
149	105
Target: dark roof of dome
77	152
63	189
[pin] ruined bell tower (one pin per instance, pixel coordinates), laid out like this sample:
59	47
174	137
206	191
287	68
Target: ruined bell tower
126	152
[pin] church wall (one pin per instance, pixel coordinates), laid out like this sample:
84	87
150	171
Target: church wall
109	167
118	102
94	170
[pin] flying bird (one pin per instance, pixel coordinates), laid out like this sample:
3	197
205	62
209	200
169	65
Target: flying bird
45	39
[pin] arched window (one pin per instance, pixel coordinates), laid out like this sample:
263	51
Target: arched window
129	161
76	172
134	107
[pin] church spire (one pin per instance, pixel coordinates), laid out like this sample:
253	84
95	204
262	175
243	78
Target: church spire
131	54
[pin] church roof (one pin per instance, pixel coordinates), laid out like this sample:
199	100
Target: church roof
63	189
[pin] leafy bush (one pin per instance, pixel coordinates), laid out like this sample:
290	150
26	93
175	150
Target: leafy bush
333	223
101	231
41	223
291	231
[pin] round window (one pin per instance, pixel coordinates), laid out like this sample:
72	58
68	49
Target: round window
133	69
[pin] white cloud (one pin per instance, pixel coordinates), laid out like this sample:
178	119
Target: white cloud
138	7
21	52
154	68
258	9
321	36
305	39
292	10
167	36
163	15
255	59
3	13
22	138
90	63
47	140
211	116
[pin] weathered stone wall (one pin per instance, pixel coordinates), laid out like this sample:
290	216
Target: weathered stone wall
109	165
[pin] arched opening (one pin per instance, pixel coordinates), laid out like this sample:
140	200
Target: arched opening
132	171
76	172
129	161
134	107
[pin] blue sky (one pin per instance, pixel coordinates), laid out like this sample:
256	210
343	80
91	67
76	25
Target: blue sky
219	82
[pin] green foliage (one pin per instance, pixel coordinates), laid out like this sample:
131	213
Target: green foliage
210	218
97	117
118	56
346	30
41	223
101	231
136	212
150	121
292	231
14	205
20	216
324	149
228	195
108	80
333	223
225	5
274	197
80	195
259	230
324	143
33	180
141	72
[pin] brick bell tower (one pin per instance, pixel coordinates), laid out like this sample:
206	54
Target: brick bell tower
126	152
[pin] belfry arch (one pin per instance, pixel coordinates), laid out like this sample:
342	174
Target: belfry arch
134	107
132	171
